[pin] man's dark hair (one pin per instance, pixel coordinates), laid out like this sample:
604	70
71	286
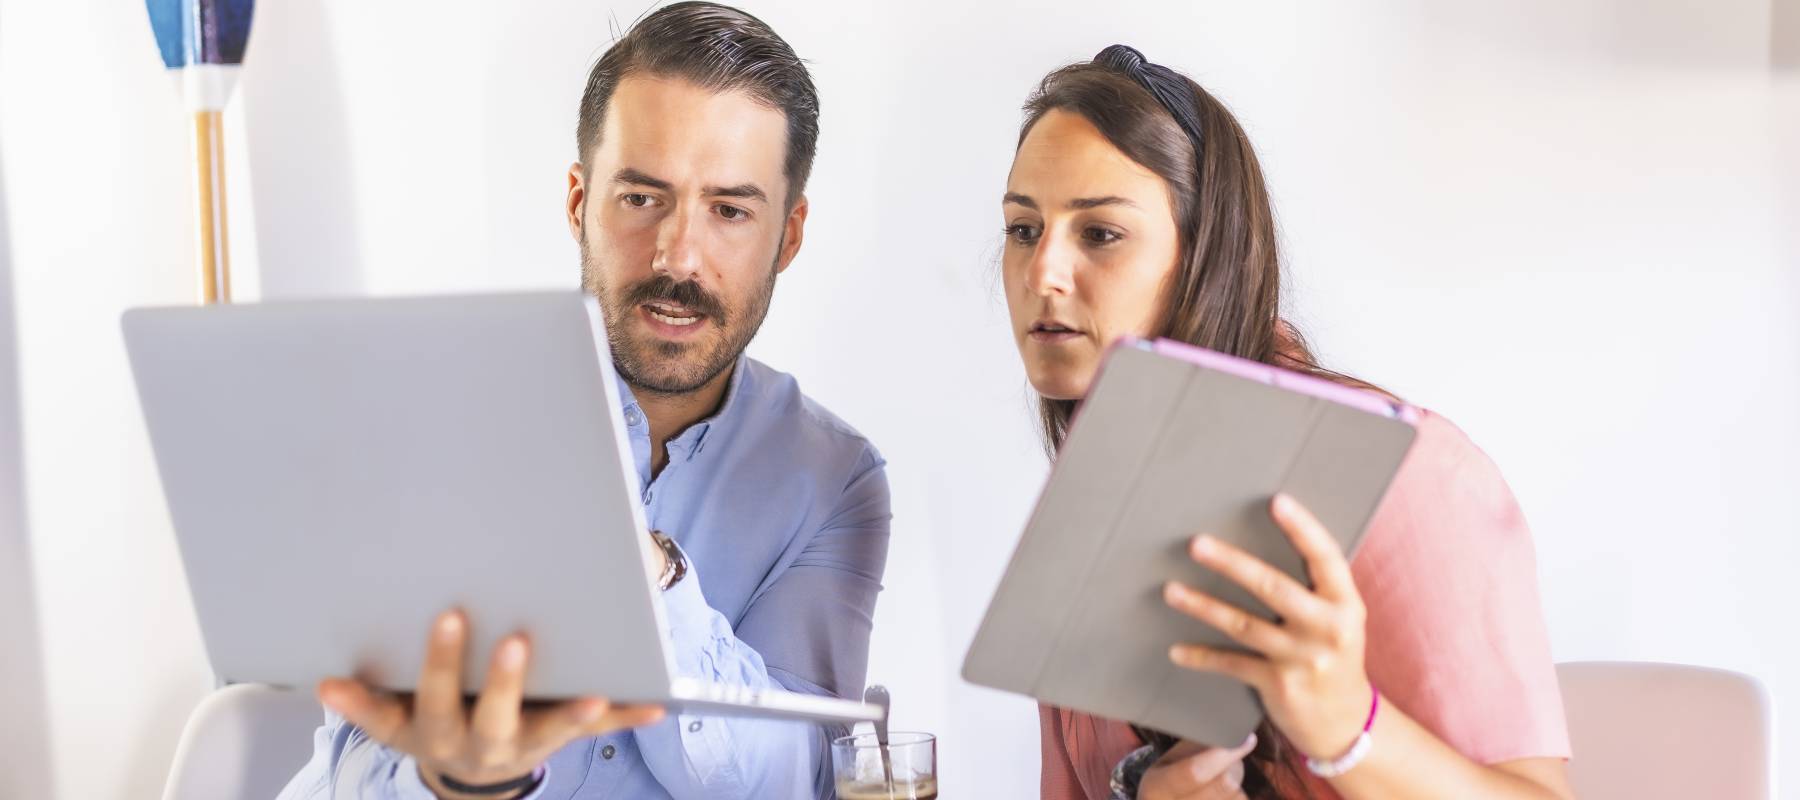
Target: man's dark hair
718	48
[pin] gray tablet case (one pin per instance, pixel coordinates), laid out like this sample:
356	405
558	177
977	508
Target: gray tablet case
1174	441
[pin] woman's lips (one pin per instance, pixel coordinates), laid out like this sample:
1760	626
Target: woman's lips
1052	336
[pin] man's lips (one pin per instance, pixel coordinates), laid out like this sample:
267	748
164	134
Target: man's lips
672	320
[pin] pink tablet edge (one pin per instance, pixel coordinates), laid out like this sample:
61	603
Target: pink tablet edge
1290	380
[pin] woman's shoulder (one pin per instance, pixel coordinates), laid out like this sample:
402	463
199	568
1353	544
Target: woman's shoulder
1444	456
1447	489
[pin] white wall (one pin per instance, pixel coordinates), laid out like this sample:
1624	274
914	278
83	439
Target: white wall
21	673
1567	225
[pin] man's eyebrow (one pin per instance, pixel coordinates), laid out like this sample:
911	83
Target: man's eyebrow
632	177
743	191
1015	197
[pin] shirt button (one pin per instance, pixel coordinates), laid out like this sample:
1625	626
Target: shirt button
608	752
694	727
633	417
648	496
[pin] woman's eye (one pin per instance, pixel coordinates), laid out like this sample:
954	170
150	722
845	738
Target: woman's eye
732	213
1101	235
636	200
1022	234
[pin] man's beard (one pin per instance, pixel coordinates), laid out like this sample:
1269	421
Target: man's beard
674	368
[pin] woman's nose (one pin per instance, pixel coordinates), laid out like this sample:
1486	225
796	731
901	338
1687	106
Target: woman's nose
1051	271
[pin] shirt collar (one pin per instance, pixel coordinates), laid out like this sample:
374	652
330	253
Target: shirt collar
694	438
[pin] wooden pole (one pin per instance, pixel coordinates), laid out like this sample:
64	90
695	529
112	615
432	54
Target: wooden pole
209	208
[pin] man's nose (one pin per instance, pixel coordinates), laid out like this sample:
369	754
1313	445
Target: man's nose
677	247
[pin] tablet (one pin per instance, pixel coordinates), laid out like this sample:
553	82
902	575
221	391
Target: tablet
1174	441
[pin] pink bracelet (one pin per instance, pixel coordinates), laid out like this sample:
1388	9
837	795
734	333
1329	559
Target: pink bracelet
1359	749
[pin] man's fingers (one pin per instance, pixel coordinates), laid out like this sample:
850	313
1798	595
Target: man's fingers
438	701
496	718
621	717
545	731
381	716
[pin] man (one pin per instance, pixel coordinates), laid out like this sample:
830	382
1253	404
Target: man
696	135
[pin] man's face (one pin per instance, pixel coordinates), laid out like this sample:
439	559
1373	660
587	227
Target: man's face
681	215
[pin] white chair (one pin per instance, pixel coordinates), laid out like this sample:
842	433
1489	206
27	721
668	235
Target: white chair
1648	731
243	741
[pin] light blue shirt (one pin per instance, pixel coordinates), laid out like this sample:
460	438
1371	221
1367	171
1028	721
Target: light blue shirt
782	511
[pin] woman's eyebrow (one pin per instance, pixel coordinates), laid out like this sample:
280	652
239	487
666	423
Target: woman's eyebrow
1083	203
1078	204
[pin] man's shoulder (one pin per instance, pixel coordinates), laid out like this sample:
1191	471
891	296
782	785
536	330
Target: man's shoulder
790	410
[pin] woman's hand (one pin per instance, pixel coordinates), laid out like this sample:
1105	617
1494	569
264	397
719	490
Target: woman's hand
1196	772
1308	667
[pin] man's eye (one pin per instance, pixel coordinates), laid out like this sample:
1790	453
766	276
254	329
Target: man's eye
732	212
1022	234
1101	235
636	200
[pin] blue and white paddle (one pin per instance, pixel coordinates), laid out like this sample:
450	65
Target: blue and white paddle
203	42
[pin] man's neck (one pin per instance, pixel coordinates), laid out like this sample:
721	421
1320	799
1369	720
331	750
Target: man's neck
670	414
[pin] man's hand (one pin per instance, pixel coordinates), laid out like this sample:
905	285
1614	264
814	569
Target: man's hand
655	559
1194	772
498	740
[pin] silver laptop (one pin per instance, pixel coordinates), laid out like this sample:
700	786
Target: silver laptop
341	471
1174	441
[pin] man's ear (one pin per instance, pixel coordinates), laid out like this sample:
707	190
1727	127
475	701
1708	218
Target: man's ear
791	237
577	200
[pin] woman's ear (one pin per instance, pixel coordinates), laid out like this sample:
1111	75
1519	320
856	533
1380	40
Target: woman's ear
794	231
577	199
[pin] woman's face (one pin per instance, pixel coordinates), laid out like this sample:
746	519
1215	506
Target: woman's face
1090	243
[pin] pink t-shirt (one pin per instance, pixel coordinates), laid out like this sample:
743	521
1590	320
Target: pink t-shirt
1456	632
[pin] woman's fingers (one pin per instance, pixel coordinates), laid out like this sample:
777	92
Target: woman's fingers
383	717
1281	593
1243	627
1250	669
1192	770
1324	558
1211	763
494	725
1229	786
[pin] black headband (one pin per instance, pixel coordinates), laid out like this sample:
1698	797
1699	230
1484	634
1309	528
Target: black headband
1164	84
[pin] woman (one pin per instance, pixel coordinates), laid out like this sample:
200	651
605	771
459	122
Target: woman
1135	206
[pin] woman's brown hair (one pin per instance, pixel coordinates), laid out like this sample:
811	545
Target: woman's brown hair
1225	291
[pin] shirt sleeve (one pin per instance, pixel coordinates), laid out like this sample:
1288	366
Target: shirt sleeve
1456	632
347	763
809	632
1057	780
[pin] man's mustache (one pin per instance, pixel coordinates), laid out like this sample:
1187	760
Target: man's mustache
687	294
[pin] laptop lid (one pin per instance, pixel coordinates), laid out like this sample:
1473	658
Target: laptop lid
341	471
